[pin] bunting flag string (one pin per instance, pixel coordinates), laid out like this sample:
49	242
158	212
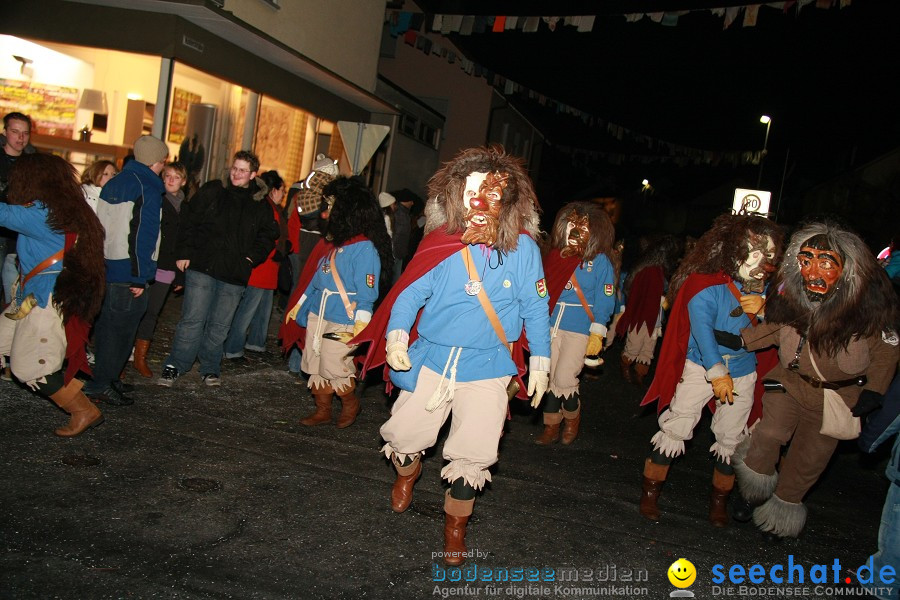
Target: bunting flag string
408	25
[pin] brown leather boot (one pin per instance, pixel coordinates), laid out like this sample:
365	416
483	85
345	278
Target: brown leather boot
402	492
573	420
349	408
640	371
140	358
625	364
83	414
456	517
718	498
551	429
322	414
654	477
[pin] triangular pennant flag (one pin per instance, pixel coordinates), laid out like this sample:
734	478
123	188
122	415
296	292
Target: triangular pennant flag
499	24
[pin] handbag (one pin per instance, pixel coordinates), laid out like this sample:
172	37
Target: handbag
837	420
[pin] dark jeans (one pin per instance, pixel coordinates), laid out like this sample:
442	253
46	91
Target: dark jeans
114	333
206	316
157	292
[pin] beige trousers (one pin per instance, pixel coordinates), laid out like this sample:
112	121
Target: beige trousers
729	423
328	362
566	362
36	345
640	344
478	409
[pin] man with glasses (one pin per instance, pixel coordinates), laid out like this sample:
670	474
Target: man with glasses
226	229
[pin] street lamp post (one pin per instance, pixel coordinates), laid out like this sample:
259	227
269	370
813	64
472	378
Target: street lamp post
767	120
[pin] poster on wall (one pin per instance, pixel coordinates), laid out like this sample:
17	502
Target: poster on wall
181	101
51	107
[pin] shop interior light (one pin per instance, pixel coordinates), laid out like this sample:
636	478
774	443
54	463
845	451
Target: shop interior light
94	101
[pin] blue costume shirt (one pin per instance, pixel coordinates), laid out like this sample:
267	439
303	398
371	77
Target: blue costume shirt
36	243
597	279
711	309
359	268
515	285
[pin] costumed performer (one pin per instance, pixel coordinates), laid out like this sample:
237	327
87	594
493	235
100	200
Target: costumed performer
581	279
833	321
719	285
339	284
475	279
62	278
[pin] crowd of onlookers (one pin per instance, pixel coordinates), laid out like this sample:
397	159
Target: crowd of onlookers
233	247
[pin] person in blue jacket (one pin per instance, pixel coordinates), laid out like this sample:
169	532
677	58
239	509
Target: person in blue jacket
130	210
338	302
579	318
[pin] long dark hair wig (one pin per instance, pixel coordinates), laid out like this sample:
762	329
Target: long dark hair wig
863	303
724	247
54	182
356	212
519	209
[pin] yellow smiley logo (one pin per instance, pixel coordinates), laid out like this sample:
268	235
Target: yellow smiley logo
682	573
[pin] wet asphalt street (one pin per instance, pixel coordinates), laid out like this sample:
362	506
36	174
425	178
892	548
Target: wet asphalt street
197	492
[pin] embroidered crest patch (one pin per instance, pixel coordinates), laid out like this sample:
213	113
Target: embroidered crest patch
541	285
370	280
608	289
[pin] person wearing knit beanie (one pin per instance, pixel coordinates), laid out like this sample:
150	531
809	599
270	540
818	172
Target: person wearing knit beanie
149	150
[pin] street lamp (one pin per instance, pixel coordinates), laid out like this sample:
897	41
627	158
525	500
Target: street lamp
767	121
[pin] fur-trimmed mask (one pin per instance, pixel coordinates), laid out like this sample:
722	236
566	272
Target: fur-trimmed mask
481	197
578	233
821	268
758	265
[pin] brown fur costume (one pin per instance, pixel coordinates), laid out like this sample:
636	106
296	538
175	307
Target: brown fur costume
862	305
519	209
50	179
723	248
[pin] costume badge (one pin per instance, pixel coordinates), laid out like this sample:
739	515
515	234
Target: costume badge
590	267
569	285
326	267
890	337
608	289
507	283
370	280
473	286
541	285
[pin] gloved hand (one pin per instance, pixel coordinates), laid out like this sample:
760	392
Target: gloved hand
723	388
729	340
594	345
753	304
397	355
291	315
538	382
869	401
358	327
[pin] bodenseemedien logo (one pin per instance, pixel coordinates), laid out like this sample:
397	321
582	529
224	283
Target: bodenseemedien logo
682	574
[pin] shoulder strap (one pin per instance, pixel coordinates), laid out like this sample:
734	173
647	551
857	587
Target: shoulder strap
737	296
581	297
482	296
50	260
348	306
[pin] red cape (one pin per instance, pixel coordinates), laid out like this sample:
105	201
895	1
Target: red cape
77	333
435	247
642	306
558	271
291	333
673	353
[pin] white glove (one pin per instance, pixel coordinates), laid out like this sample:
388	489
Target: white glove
397	356
538	382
